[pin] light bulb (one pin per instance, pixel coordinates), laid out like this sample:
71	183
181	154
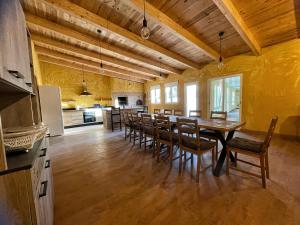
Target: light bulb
221	64
101	69
145	31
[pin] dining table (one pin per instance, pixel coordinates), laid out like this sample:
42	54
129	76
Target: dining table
223	130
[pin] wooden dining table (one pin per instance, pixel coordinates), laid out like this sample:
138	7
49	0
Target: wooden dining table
220	128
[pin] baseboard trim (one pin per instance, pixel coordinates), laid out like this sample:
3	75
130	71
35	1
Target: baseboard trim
83	125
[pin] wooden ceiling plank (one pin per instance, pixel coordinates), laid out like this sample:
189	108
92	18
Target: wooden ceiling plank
78	66
177	29
97	20
71	49
63	30
96	65
233	16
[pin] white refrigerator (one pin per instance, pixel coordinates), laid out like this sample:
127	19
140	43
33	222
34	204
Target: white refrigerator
52	115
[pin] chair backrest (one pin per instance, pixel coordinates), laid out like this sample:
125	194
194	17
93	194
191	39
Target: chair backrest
163	126
270	132
219	115
195	113
146	119
156	111
135	119
162	122
125	117
115	111
178	112
168	111
187	127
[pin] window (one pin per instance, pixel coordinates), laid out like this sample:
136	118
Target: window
155	94
225	95
171	92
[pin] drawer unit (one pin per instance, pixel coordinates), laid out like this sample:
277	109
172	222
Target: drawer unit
28	190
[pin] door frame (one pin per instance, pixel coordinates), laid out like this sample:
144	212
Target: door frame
223	77
197	94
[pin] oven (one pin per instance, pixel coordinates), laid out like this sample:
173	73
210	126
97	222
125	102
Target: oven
89	117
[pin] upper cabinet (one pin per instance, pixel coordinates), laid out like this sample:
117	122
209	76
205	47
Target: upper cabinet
14	45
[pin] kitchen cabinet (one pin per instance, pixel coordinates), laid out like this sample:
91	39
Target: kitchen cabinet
27	189
14	45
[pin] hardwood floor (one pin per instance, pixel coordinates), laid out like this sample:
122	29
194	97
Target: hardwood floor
100	179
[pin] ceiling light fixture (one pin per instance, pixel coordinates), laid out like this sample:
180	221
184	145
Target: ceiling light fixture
101	69
160	73
145	31
84	85
221	64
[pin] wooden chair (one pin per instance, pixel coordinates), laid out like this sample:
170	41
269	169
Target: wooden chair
149	130
168	112
195	113
257	149
178	112
127	124
156	111
210	134
219	115
165	137
137	129
193	144
115	117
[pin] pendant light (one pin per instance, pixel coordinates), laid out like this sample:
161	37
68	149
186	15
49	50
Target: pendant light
101	69
160	73
221	63
84	85
145	31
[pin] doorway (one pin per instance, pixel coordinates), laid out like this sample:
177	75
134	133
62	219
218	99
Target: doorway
191	97
225	95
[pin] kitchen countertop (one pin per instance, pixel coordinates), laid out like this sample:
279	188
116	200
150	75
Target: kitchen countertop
22	160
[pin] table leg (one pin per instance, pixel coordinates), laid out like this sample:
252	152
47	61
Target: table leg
222	156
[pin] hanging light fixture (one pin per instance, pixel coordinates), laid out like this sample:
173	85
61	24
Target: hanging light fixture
84	85
160	73
221	63
101	69
145	31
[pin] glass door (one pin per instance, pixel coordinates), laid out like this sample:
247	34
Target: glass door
191	97
225	95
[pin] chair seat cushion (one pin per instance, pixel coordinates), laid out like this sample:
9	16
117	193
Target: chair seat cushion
165	135
149	130
190	142
208	133
245	144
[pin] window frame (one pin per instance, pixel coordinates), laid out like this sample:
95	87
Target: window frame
155	87
171	85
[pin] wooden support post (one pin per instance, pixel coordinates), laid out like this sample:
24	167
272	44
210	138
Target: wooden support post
3	164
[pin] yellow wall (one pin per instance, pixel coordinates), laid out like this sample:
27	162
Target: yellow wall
271	85
118	85
36	65
70	82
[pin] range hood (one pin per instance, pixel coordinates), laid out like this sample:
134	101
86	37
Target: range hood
84	89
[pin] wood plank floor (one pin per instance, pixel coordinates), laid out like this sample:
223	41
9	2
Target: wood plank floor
100	179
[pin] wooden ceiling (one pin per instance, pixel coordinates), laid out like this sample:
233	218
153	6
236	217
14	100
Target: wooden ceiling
184	33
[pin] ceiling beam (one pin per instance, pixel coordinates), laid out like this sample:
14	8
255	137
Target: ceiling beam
96	65
71	33
177	29
234	17
73	9
93	56
78	66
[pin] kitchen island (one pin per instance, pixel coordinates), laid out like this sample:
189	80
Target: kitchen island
107	115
